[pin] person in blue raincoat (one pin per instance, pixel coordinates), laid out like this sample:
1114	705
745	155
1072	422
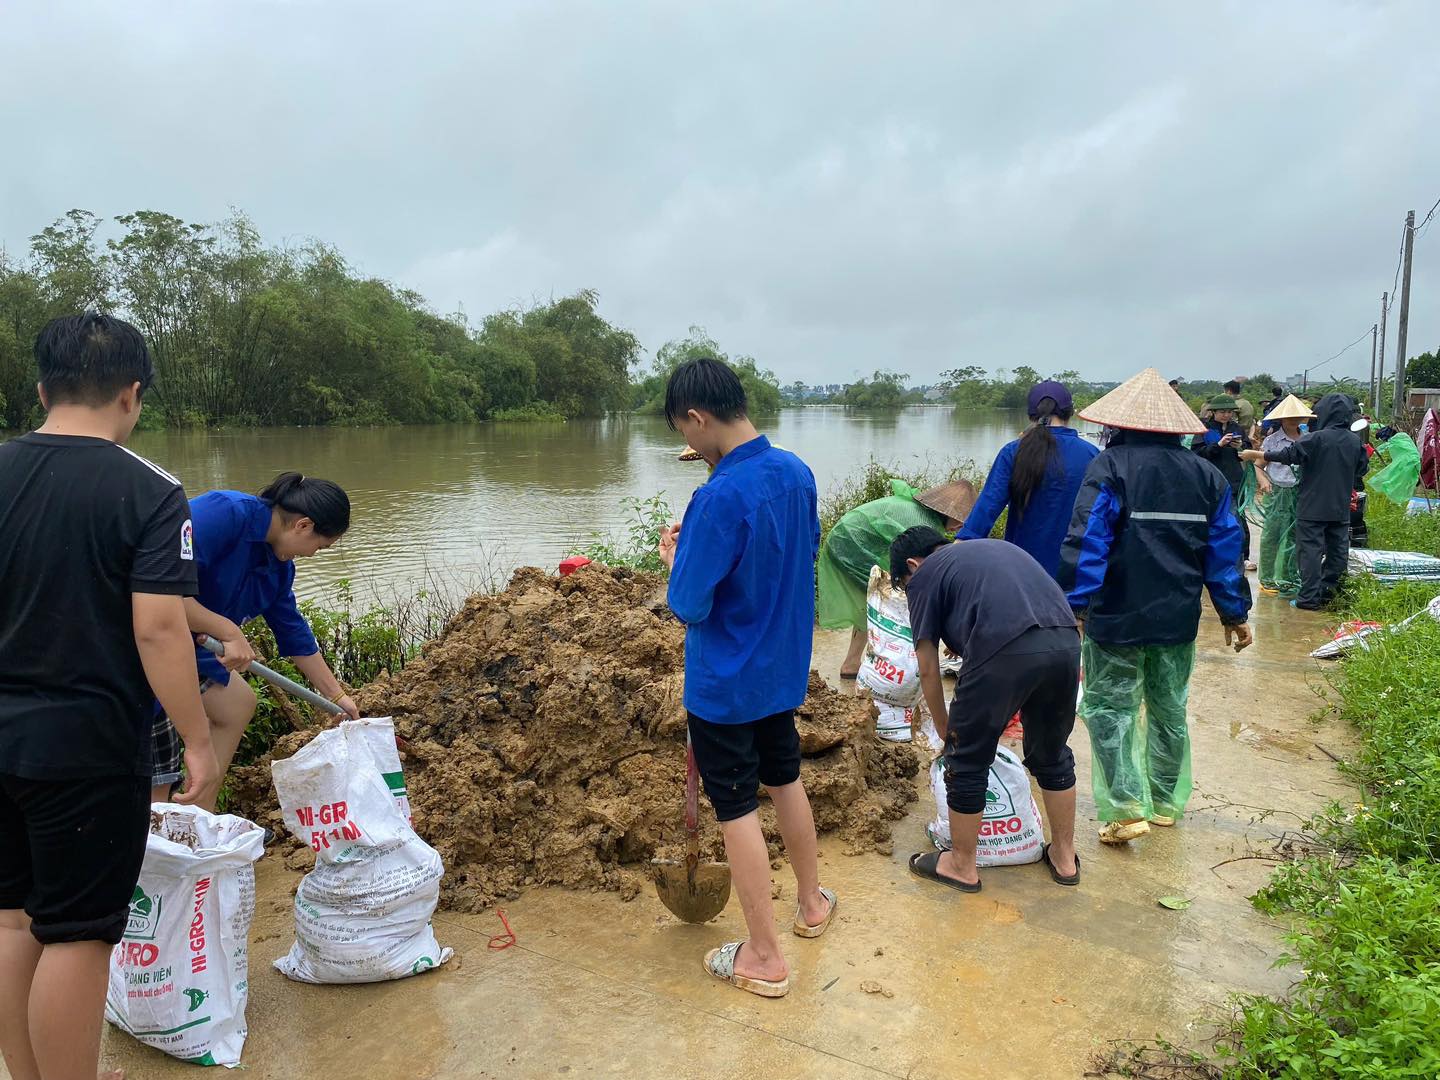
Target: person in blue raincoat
1154	526
1038	476
245	547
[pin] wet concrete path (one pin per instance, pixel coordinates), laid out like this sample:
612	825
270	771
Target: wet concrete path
1025	980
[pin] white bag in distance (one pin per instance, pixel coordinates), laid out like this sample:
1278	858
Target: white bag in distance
179	978
1010	830
363	914
889	671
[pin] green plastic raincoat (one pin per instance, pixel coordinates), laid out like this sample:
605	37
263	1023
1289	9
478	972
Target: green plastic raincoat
1398	479
1140	764
1279	567
859	540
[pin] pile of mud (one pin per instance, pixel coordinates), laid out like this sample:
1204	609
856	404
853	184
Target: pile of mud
545	743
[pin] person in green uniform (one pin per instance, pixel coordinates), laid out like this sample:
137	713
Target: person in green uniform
861	539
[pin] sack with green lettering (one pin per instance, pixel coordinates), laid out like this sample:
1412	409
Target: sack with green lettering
363	914
1010	830
179	978
889	671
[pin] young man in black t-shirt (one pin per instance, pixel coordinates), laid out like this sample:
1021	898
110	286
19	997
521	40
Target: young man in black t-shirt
998	609
96	554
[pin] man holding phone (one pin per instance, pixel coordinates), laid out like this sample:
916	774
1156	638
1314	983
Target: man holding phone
1221	444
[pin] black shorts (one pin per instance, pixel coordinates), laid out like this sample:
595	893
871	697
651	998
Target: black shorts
735	759
72	852
1036	675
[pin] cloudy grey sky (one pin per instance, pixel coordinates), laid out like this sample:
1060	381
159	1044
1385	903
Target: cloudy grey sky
830	187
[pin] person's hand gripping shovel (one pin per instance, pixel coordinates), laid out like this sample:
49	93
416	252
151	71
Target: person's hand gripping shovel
274	678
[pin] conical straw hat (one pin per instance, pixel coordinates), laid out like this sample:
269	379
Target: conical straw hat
953	500
1291	408
1144	402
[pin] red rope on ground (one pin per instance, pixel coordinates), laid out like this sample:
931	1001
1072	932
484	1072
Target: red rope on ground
505	940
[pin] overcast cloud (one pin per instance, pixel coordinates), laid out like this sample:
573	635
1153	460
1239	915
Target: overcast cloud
831	188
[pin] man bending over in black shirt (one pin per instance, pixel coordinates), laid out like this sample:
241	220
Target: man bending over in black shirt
96	554
998	609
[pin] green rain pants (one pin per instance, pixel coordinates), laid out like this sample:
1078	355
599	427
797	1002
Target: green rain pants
1278	567
1140	760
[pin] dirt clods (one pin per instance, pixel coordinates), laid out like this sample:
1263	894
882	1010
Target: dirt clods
545	743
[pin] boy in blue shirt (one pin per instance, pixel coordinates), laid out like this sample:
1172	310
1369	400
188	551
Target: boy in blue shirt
743	582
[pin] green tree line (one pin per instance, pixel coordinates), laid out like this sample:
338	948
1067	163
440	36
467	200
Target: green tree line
249	334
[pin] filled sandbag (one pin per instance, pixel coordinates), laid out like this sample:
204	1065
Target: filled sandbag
889	670
179	979
363	913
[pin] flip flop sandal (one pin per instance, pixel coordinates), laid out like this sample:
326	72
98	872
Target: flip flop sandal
1059	878
804	929
844	677
721	963
1122	832
925	864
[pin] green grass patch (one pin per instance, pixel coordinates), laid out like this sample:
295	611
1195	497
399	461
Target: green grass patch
1366	902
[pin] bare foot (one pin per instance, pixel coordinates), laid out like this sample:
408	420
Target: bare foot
949	866
1064	863
749	965
113	1074
814	910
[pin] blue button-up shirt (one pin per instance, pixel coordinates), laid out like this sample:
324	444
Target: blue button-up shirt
1040	529
240	577
744	585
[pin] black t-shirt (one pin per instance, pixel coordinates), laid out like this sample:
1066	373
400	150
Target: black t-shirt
977	596
83	524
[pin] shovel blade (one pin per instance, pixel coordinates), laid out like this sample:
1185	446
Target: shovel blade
695	902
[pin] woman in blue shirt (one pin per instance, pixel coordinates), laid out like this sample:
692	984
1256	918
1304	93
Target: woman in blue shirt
1038	475
244	548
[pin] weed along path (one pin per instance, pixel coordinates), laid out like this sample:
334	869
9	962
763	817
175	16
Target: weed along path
1025	980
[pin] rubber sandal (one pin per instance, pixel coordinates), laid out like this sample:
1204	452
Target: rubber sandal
849	678
1122	832
1056	876
721	964
1165	821
804	929
925	864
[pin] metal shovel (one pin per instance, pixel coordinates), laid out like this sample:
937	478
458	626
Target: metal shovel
694	891
274	678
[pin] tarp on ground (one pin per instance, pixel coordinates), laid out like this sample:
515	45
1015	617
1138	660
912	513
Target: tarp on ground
1361	637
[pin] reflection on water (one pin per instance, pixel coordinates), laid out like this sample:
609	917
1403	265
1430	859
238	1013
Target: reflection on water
462	501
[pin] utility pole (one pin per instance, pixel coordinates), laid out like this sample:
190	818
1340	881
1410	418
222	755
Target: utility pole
1404	319
1380	371
1374	390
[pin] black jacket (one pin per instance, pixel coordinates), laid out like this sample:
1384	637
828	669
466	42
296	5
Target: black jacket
1224	458
1332	460
1153	525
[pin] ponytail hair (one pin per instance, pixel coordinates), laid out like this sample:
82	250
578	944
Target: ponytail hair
322	501
1035	456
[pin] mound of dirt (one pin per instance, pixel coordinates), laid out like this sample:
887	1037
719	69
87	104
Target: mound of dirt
545	743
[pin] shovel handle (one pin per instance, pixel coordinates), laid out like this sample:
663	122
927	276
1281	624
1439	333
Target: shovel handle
692	810
274	678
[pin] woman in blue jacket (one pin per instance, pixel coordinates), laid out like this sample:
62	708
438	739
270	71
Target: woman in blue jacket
245	547
1038	475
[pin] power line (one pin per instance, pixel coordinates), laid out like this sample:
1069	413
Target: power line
1342	352
1425	225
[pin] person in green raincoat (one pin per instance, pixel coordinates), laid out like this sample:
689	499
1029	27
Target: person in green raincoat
861	540
1277	486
